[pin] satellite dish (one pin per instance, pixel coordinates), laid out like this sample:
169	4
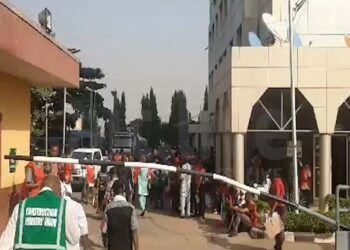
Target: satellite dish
347	40
278	28
254	40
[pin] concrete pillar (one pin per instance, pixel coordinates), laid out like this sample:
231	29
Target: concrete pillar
218	152
325	169
227	149
238	157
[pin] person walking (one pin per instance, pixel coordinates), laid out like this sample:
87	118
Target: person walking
101	184
185	190
119	225
278	189
42	222
143	188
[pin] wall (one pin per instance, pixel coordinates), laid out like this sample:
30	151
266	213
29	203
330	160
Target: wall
15	109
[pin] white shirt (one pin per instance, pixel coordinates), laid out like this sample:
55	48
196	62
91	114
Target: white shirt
80	218
7	240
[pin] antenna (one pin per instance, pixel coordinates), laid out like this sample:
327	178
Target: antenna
254	40
277	28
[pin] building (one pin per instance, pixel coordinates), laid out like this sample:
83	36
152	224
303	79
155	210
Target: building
201	133
28	56
250	96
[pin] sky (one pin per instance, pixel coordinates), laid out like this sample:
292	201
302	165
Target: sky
137	44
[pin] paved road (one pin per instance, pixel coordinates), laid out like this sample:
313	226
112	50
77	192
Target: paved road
163	232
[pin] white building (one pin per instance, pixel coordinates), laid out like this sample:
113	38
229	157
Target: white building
249	88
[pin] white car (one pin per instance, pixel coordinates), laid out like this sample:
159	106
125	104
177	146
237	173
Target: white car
79	172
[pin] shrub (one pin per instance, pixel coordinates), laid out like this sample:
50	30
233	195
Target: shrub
262	206
304	222
330	200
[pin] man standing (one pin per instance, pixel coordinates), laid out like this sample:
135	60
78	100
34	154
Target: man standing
199	191
305	185
41	222
120	222
185	190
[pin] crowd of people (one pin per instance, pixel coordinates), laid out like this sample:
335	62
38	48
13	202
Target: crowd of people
115	192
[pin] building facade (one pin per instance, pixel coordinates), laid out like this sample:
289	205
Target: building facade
250	96
28	56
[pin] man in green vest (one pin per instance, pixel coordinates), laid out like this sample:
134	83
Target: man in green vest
41	222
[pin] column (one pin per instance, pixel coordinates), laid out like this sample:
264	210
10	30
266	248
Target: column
238	157
325	169
227	145
218	163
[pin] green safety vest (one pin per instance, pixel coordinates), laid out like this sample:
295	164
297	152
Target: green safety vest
41	223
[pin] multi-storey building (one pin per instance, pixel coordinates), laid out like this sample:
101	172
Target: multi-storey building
250	95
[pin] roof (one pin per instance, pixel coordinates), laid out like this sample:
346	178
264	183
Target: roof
37	27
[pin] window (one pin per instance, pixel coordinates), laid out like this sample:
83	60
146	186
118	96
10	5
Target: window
225	8
221	12
217	25
209	39
239	36
212	32
97	156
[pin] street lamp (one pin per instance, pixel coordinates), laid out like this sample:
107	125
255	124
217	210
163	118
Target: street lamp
73	51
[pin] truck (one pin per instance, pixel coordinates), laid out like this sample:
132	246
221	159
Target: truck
79	171
123	141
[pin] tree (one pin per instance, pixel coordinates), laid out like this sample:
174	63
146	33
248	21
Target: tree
122	114
150	125
81	99
206	100
178	120
153	141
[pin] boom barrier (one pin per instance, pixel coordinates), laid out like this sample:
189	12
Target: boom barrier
212	176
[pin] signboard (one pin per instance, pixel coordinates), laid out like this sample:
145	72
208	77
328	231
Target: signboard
290	149
12	162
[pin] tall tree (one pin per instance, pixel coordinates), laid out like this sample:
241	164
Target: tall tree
150	125
206	100
122	113
178	120
155	120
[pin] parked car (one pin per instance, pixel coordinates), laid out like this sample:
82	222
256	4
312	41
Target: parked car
79	172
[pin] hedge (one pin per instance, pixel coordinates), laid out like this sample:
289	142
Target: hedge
303	222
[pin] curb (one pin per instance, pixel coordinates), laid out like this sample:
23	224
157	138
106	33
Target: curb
310	237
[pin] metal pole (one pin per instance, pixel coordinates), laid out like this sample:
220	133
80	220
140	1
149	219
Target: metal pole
292	97
91	110
46	128
64	121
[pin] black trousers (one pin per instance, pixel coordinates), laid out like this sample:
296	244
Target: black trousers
199	208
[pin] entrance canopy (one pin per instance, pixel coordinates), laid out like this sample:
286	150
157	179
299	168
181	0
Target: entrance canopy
28	53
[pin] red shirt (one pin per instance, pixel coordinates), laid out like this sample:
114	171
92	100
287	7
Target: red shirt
278	189
38	176
68	172
305	178
90	174
198	179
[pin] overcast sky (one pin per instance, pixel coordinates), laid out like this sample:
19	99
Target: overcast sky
138	44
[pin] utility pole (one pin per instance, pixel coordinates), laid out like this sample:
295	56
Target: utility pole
64	121
46	128
292	97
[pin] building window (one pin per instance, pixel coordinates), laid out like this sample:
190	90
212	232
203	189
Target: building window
212	32
217	25
225	8
209	39
221	13
239	36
